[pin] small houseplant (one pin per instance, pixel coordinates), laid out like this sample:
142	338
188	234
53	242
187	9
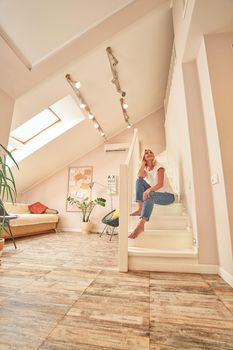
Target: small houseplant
7	187
86	207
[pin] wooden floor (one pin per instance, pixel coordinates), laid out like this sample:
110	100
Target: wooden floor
62	291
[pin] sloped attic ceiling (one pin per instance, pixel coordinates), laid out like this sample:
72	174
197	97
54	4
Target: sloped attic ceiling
143	49
51	24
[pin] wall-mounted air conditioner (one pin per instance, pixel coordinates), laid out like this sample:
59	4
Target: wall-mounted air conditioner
116	147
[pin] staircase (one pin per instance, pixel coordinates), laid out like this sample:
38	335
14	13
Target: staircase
167	244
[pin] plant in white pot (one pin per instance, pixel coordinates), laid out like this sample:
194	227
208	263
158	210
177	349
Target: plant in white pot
7	188
86	207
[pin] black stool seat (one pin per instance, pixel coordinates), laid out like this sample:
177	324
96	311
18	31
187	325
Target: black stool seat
108	220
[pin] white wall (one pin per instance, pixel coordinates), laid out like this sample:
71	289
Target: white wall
220	58
186	140
208	252
176	124
53	191
182	17
178	144
193	135
6	112
215	161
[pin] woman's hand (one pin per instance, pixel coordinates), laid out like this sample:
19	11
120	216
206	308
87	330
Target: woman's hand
142	172
146	194
143	164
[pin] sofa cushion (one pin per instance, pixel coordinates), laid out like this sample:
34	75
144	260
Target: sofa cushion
16	208
30	219
37	208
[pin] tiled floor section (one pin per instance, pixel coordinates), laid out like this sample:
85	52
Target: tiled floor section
62	291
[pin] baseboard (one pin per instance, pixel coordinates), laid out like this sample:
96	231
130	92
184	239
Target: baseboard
65	229
226	276
173	267
78	230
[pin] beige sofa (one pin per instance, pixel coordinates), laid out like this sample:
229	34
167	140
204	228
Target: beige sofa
30	224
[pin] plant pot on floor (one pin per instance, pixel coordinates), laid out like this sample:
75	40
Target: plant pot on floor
2	241
86	227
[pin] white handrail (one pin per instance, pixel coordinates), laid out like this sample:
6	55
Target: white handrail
128	172
132	145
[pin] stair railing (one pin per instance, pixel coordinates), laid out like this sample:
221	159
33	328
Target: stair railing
128	175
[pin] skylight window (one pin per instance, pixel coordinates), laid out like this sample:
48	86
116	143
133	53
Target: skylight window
11	148
35	126
43	128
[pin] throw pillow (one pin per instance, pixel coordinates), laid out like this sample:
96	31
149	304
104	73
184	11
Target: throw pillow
115	214
37	208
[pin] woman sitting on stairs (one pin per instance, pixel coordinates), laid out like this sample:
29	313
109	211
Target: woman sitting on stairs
152	187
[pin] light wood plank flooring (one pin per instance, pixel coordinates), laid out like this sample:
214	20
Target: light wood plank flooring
63	291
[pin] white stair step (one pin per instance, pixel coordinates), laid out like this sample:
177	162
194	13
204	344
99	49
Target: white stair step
164	253
166	222
171	209
148	259
163	239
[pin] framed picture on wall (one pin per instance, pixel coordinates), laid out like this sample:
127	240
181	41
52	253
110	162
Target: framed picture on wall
112	184
79	184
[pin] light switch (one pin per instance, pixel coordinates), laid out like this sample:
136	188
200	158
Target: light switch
214	179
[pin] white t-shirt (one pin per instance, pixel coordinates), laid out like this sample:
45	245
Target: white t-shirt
152	179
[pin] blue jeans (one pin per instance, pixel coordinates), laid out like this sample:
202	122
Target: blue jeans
162	198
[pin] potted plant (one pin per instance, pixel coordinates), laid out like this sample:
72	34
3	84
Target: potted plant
7	187
86	207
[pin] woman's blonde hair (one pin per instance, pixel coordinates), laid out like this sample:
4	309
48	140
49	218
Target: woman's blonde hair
143	155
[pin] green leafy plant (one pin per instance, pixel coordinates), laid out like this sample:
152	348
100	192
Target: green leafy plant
86	206
7	182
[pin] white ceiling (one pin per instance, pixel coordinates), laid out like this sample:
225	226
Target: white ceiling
141	37
17	78
219	20
36	29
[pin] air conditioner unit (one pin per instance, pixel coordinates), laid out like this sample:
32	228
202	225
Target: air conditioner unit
116	147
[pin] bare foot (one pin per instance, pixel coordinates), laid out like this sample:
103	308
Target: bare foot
139	229
136	213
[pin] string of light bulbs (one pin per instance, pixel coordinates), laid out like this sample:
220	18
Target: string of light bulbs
76	85
124	106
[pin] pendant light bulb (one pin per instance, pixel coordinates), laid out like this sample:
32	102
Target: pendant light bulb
77	84
82	105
